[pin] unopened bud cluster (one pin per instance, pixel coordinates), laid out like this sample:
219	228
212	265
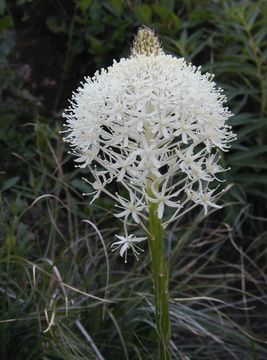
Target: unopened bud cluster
146	43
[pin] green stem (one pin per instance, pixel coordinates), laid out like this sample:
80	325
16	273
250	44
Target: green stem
160	275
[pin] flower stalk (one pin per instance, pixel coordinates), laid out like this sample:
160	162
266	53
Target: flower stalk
160	276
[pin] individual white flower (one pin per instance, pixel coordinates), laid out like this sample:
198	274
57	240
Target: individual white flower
204	198
150	121
98	185
213	167
133	207
122	166
128	242
162	198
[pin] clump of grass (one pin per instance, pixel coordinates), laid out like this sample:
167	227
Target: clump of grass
70	311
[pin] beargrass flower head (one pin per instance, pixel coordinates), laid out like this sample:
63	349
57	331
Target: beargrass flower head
155	125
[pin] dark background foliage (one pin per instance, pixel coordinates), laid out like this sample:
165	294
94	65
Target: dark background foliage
46	49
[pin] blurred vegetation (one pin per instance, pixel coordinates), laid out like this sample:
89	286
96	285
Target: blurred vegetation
52	262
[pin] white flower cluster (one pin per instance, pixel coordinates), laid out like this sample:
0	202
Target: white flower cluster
150	121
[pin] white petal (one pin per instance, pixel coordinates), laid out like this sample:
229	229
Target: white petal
123	249
160	209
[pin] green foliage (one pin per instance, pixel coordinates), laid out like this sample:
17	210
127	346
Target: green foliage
52	261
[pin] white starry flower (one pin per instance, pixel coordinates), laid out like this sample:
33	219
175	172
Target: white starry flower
128	242
133	207
204	198
150	121
162	198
